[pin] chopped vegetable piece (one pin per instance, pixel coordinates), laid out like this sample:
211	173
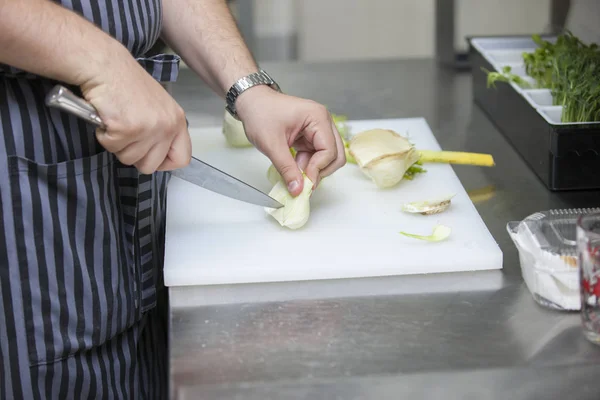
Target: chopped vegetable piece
234	132
428	207
296	210
440	232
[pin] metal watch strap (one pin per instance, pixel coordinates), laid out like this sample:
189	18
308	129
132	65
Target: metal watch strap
245	83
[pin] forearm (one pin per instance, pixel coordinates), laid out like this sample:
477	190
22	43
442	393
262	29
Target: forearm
205	35
46	39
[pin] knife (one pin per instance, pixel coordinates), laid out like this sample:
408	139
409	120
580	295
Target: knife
197	172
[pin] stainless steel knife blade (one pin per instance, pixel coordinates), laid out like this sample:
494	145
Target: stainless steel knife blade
209	177
197	172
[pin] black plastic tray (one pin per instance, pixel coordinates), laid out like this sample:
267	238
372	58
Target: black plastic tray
563	156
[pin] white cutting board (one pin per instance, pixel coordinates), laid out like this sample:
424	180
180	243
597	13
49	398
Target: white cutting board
352	230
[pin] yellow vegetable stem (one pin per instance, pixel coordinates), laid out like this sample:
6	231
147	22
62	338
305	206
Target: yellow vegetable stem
456	157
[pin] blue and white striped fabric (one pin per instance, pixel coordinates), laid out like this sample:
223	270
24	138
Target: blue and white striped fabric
82	305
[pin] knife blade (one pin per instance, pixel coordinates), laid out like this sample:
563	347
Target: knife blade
197	172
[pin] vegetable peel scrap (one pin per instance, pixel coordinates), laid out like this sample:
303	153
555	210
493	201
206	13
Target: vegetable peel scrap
440	232
428	207
296	210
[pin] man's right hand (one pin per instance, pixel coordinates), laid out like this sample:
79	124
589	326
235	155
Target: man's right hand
145	126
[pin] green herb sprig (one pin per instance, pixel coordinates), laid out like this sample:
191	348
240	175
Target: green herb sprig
505	76
569	68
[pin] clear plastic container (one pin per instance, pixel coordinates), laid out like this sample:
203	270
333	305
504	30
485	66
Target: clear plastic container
548	256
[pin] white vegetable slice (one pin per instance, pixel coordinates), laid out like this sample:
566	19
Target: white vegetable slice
383	155
440	232
296	210
273	175
234	131
428	207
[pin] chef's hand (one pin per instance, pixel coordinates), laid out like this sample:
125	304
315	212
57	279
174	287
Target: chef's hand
145	126
274	122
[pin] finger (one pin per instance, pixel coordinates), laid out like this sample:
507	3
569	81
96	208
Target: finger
180	153
340	161
302	158
319	161
303	144
134	152
110	142
324	142
154	158
285	164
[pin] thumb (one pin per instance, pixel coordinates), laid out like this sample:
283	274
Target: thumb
286	166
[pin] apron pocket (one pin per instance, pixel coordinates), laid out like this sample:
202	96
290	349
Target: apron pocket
79	279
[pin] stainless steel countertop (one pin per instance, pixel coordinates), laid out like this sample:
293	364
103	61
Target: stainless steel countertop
464	335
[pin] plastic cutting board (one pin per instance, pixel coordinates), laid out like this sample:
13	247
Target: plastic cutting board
352	230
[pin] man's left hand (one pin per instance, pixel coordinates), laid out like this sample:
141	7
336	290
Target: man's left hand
274	122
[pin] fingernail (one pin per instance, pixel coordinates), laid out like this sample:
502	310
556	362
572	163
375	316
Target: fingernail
293	185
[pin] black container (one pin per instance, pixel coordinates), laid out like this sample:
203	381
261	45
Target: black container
563	156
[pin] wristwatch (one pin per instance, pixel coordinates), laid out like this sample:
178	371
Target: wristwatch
245	83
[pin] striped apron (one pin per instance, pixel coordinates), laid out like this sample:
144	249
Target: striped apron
82	302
